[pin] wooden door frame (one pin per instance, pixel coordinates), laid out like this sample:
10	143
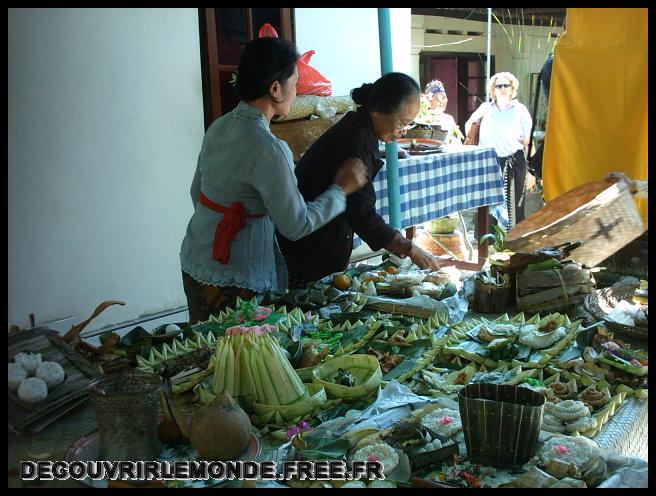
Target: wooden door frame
426	56
209	56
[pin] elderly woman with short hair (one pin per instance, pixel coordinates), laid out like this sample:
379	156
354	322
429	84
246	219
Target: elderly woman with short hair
432	112
505	125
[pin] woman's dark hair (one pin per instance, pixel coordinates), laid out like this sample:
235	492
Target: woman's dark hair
386	95
263	61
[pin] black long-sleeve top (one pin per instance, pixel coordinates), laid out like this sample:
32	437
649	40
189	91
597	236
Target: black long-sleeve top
328	249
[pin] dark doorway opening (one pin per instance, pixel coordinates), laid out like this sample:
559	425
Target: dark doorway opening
463	76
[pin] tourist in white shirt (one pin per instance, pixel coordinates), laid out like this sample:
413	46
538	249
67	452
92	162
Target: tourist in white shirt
505	125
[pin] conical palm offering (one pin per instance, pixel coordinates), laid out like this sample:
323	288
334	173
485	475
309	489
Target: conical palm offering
251	366
220	430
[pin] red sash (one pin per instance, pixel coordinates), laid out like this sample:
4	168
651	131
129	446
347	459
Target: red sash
233	221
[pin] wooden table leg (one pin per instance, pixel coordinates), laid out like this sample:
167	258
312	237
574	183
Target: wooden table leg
482	227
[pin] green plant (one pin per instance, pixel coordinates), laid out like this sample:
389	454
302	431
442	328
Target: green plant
499	237
529	43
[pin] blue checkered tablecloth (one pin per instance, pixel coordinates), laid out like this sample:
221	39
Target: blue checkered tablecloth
440	184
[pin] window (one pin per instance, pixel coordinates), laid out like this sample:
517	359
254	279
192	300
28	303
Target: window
223	34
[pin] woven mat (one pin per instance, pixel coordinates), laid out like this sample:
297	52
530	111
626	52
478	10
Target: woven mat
626	432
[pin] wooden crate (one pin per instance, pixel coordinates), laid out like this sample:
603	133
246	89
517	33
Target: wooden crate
547	291
600	214
73	392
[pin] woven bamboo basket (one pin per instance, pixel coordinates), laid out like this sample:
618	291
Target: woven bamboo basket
304	106
127	415
601	302
501	423
489	298
601	214
300	134
427	132
451	244
554	290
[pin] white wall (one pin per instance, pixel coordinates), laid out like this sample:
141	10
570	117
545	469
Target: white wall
347	45
105	118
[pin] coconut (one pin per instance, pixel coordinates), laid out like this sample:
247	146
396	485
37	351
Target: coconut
220	430
32	390
52	373
15	375
29	361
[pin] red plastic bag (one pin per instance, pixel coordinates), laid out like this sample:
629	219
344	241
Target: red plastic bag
267	31
310	81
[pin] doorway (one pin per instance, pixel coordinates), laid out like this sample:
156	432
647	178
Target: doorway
464	79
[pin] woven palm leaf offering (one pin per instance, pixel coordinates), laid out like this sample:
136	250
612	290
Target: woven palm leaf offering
413	436
501	423
577	457
393	282
491	291
607	359
575	404
512	341
403	346
250	365
440	381
186	357
623	308
349	376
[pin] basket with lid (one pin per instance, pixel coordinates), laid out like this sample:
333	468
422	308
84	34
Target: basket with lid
601	214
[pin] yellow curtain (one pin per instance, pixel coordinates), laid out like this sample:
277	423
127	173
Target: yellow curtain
597	117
